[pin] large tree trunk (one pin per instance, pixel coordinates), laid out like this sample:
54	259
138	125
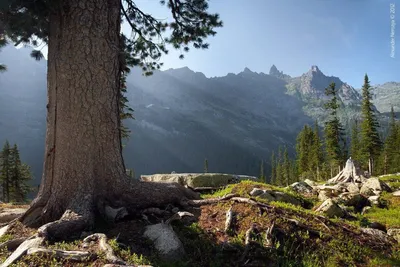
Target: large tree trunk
83	163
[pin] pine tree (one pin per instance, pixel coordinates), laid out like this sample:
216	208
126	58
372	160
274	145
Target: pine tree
273	168
317	153
262	175
279	168
5	172
334	136
206	165
355	150
304	152
3	43
370	141
391	149
83	153
285	167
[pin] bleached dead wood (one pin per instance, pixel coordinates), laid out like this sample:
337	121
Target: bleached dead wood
104	246
77	256
229	220
32	242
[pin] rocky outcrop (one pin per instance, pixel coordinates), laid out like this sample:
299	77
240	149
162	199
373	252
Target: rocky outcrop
302	188
197	179
357	201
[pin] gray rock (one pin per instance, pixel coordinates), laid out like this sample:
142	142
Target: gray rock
310	182
271	195
395	233
375	200
331	209
324	195
165	241
353	187
397	193
302	188
378	235
374	186
197	179
267	196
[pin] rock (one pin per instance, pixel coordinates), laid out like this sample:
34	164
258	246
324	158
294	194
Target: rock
374	186
374	200
310	182
197	179
271	195
395	233
357	201
377	225
353	187
9	214
256	192
378	235
302	188
396	194
331	209
165	241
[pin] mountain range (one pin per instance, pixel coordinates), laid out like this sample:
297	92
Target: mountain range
182	117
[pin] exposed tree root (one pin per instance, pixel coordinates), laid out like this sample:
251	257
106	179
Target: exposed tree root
32	242
200	202
104	246
179	215
77	256
13	244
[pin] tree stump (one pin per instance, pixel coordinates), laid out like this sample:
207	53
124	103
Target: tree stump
350	173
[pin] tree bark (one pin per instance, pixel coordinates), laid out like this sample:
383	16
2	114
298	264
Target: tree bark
83	162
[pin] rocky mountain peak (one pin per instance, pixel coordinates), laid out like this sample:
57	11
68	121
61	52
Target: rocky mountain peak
273	71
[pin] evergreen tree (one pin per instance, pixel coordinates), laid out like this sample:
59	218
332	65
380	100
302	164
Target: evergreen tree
391	149
285	167
370	141
317	153
355	149
2	44
304	152
83	154
279	168
262	175
334	136
273	168
6	171
206	165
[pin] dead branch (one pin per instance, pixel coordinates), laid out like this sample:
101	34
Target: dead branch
200	202
229	220
13	244
269	237
179	215
79	256
32	242
104	246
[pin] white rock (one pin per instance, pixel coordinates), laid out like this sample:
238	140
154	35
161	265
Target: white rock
331	209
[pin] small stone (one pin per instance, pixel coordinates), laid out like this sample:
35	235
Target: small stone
396	194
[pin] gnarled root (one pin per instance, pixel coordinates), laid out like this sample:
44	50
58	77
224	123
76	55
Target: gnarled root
32	242
77	256
104	246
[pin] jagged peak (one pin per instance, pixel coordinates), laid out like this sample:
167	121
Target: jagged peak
247	70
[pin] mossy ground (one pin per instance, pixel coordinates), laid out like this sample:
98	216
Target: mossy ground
316	242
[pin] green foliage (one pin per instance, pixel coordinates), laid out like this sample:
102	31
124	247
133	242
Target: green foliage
390	158
334	132
3	42
370	141
355	150
14	175
206	165
262	176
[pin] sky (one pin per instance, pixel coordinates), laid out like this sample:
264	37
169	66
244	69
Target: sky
344	38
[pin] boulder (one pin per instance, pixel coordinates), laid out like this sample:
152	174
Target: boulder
165	241
302	188
353	187
271	195
331	209
378	235
395	233
197	179
9	214
374	200
374	186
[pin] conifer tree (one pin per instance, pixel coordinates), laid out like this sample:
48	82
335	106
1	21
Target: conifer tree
334	140
206	165
273	169
2	44
391	150
317	153
5	172
262	175
83	153
285	167
370	141
279	168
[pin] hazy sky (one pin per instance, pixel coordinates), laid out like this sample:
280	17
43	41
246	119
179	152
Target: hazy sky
345	38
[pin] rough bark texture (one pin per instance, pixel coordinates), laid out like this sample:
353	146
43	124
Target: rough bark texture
83	161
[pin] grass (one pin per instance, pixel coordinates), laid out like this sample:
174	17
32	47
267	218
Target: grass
390	216
392	180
